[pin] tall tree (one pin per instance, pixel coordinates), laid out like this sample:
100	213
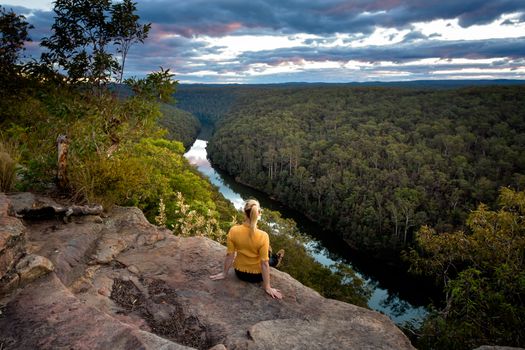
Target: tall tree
79	44
14	33
83	34
127	30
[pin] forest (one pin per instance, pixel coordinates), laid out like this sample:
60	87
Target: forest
435	174
374	164
430	177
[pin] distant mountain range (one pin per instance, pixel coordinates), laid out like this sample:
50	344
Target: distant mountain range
440	84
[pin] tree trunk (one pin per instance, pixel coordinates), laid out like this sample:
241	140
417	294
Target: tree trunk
406	229
62	147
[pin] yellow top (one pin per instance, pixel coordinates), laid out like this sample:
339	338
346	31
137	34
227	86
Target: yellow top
250	250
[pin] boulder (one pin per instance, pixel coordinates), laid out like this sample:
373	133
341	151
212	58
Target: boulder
123	283
33	266
12	235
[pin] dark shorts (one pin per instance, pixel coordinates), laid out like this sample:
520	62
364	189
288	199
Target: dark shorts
249	277
255	277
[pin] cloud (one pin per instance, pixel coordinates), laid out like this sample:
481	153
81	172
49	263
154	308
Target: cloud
42	22
314	40
513	48
218	17
413	36
215	18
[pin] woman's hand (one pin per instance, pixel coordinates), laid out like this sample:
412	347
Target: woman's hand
219	276
274	293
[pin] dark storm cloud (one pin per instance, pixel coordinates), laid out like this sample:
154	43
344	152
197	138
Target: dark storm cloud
216	18
20	10
177	44
415	35
40	20
176	38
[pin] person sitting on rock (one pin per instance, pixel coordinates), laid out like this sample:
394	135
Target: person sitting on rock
248	250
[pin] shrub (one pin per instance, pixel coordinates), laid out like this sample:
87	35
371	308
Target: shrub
484	278
9	157
189	222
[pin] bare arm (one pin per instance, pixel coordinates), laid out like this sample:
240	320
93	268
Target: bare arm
274	293
228	261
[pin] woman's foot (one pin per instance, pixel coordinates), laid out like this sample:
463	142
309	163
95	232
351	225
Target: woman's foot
280	255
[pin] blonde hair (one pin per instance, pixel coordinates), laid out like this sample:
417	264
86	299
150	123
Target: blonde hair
251	210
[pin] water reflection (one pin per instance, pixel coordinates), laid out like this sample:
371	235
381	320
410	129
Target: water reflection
385	300
197	155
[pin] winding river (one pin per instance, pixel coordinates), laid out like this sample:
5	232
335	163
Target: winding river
397	295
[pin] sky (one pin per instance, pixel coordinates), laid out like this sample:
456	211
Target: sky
276	41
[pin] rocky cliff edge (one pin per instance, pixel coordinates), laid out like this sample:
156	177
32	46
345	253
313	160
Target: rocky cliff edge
118	282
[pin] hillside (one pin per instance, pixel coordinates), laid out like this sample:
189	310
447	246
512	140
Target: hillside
374	164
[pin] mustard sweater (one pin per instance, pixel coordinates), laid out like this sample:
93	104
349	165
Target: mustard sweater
250	250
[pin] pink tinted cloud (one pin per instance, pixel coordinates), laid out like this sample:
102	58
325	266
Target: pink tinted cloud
211	29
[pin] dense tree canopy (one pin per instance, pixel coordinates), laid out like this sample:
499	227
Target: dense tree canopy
376	163
483	270
208	104
181	125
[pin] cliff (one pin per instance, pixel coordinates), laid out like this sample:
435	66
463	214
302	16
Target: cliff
118	282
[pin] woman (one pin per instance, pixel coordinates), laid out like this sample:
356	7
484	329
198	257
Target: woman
248	250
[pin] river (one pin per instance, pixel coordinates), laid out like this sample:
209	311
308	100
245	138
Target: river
399	296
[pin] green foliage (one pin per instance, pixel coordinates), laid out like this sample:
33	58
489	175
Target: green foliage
141	173
374	163
116	155
180	125
156	86
127	30
190	222
14	31
9	157
83	33
13	34
483	273
337	282
208	104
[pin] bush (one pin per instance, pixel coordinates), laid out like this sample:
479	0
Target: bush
484	278
189	222
9	157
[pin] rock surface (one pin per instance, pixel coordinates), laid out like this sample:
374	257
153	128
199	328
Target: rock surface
121	283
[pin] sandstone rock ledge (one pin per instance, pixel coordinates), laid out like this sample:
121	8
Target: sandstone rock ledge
121	283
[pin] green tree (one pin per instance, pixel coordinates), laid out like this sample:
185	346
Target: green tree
483	273
83	33
14	31
430	155
127	30
156	86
